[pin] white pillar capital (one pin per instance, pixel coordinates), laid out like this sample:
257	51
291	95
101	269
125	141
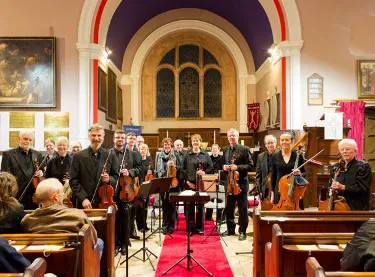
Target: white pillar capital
285	48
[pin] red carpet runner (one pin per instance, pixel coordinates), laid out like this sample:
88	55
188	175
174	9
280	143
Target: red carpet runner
210	253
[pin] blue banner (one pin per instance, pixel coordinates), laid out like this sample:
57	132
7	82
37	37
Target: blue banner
135	129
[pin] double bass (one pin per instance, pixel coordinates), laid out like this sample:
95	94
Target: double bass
335	202
149	177
233	187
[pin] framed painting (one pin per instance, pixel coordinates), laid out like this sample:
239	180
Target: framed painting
27	72
119	103
111	114
102	93
366	79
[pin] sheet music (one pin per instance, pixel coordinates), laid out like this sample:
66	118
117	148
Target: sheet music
187	192
328	246
19	247
307	247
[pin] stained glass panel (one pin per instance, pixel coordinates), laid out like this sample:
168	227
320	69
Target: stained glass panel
208	58
212	93
165	94
189	53
169	58
189	93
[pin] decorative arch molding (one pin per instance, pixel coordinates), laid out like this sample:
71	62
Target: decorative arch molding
181	26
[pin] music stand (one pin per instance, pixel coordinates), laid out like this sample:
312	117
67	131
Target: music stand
160	185
217	224
188	255
143	194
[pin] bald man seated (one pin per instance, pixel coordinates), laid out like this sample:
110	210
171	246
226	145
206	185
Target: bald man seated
53	216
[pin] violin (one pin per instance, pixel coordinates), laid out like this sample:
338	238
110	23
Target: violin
129	187
67	191
36	180
233	187
149	177
172	172
199	184
106	194
290	191
335	202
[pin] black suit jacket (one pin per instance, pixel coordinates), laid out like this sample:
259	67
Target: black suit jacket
11	163
262	170
83	179
243	161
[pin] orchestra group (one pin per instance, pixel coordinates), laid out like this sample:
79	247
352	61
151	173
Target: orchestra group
95	177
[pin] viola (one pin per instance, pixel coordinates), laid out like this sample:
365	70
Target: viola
232	182
129	188
106	194
335	202
291	192
149	177
67	191
172	172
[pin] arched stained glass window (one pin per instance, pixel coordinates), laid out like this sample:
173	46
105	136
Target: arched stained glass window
169	58
189	93
208	58
212	93
165	95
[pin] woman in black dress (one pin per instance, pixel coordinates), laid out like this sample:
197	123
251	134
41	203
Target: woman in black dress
59	166
282	163
11	211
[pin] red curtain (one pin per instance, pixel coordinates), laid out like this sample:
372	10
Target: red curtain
355	112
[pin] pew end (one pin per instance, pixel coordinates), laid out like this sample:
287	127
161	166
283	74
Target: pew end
36	269
314	269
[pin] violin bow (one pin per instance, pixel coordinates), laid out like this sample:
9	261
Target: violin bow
26	188
309	159
100	177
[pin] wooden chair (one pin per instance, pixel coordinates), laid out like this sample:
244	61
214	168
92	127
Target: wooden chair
313	269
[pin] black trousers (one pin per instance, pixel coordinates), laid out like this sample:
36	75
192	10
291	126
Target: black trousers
169	213
124	216
243	220
140	213
196	219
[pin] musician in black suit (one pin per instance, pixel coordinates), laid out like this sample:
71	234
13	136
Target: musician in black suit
20	162
131	167
243	164
86	170
354	181
180	154
263	166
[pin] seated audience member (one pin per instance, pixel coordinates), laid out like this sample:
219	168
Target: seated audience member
53	216
11	211
11	261
359	254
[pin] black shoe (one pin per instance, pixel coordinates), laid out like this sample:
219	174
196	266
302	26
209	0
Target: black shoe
123	250
117	250
147	229
164	232
134	236
170	232
228	233
242	236
199	232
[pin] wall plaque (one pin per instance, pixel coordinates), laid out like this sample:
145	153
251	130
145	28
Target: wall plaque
55	134
315	89
56	120
22	120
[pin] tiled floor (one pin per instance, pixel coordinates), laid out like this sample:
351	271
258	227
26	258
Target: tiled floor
241	265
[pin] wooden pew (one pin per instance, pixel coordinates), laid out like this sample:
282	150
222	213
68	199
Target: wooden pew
104	223
36	269
314	269
61	261
300	222
287	253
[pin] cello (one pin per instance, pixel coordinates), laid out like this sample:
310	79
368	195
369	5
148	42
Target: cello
106	192
335	202
290	191
233	188
172	172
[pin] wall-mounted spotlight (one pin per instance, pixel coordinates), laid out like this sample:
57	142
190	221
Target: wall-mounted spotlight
109	51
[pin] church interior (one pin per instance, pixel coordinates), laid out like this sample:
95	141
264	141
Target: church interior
176	68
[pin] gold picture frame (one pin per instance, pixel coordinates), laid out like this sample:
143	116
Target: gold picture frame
366	79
